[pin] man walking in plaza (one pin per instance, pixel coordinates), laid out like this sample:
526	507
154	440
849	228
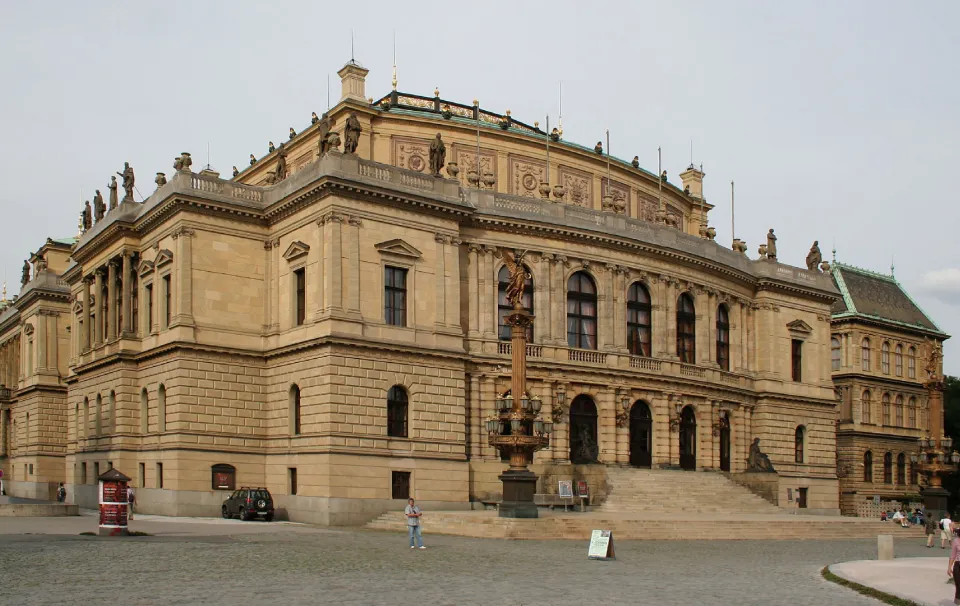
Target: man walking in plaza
946	530
930	526
413	514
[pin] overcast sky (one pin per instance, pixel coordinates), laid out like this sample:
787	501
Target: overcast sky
837	120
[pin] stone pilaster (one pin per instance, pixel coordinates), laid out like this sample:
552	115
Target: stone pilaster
184	298
98	323
543	300
606	310
127	284
488	285
333	263
440	282
473	290
670	311
607	426
352	299
111	300
559	300
452	282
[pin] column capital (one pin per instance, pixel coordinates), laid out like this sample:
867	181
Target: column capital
182	231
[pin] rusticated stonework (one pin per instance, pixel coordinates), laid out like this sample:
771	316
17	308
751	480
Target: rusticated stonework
526	175
579	186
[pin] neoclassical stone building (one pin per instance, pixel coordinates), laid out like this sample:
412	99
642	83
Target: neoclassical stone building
879	348
331	327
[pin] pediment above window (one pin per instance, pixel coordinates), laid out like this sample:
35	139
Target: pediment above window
296	250
800	329
145	268
78	307
400	248
164	257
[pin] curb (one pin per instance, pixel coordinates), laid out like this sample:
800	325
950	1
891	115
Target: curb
886	598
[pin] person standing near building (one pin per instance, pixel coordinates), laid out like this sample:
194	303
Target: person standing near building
413	514
946	530
931	527
953	567
131	499
61	493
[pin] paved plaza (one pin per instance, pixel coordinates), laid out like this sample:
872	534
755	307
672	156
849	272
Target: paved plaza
208	561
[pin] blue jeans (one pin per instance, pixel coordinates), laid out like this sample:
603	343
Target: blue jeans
414	531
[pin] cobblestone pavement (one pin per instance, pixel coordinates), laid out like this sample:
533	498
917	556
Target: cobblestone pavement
220	562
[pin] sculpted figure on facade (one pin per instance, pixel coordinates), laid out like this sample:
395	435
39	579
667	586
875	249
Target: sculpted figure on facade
99	209
438	155
86	216
293	134
324	131
25	276
313	118
281	172
270	147
771	245
351	134
112	186
236	172
128	182
253	160
814	257
757	461
933	361
518	276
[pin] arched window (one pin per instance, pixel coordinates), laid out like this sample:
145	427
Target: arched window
638	320
223	477
898	411
912	363
912	414
868	466
798	444
723	337
865	355
98	419
581	311
86	416
888	468
865	405
397	412
835	353
898	360
144	411
76	418
161	408
885	358
503	307
686	329
295	410
112	412
901	468
885	401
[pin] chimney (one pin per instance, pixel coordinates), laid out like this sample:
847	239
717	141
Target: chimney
353	77
692	179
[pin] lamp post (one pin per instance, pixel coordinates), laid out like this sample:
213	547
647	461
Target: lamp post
518	430
935	457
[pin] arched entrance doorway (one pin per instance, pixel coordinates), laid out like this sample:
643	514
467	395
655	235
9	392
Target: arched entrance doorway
724	441
688	439
583	431
641	429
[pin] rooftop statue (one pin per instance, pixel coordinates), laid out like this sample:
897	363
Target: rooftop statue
324	129
112	186
757	461
518	276
25	276
598	147
313	118
351	134
293	133
270	147
161	180
663	176
235	171
86	216
281	171
128	182
554	134
771	245
438	155
253	160
99	209
636	162
933	361
814	257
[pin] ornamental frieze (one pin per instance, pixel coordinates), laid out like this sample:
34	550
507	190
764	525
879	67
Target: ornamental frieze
526	175
579	186
412	154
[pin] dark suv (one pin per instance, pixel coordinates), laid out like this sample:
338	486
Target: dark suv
248	503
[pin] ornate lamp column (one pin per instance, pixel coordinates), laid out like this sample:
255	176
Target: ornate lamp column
935	458
517	429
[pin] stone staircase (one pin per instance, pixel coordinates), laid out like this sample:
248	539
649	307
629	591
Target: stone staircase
646	491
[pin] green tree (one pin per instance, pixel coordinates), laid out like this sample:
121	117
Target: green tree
951	427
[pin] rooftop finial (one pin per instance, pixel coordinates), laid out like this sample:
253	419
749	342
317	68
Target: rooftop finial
394	59
352	60
834	252
891	266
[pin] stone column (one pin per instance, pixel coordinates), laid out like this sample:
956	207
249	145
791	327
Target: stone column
487	287
711	332
606	309
620	308
623	433
184	239
111	300
476	428
542	300
268	286
714	412
607	426
561	429
558	298
128	328
473	291
702	305
452	281
98	324
352	302
670	310
440	282
333	261
41	319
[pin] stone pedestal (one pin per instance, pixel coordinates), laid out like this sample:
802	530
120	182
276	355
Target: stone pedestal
934	499
884	546
518	490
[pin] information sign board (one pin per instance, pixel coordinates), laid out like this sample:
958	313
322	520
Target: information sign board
566	489
601	546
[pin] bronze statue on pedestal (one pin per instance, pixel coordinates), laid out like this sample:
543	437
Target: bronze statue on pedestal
438	155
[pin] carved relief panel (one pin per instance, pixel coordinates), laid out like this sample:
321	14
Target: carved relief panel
646	207
412	154
673	210
579	186
467	160
526	175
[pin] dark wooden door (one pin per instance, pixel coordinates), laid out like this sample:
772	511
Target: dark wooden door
583	431
725	448
802	498
641	429
688	439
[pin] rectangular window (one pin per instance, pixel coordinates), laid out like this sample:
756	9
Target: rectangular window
166	304
400	484
300	277
109	465
796	358
149	294
96	470
31	468
142	472
159	475
395	296
83	473
292	473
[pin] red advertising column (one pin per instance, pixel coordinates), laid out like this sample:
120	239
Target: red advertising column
113	503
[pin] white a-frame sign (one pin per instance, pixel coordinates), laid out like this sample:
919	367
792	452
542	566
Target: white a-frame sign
601	546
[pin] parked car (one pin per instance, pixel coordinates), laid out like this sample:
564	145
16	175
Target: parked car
248	503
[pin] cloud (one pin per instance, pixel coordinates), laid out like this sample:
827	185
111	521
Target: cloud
944	284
